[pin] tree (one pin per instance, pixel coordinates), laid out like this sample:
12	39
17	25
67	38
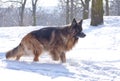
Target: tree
85	5
67	12
22	9
34	4
71	10
97	12
118	7
107	8
115	7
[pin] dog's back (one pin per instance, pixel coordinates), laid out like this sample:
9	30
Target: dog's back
44	34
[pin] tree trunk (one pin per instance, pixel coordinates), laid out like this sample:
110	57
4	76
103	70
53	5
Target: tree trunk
22	12
21	16
107	8
71	11
67	12
118	7
34	3
97	12
85	9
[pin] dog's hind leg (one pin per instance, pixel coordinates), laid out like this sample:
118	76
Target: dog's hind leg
36	57
18	57
63	57
55	55
37	53
20	52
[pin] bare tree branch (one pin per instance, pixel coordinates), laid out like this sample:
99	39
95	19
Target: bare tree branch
13	1
82	2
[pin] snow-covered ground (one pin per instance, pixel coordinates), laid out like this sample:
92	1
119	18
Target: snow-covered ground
94	58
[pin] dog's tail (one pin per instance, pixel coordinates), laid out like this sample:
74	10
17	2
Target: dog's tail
15	53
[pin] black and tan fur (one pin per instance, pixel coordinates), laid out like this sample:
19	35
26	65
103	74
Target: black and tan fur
55	40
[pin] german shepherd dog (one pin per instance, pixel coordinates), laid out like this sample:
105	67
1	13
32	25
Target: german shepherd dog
55	40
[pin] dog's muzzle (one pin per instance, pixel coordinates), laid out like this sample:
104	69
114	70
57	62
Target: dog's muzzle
80	35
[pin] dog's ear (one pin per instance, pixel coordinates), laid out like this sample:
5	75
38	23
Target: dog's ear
74	23
80	23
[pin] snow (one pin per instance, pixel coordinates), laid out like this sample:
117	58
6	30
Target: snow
94	58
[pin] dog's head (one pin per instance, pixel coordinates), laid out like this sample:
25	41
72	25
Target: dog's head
76	29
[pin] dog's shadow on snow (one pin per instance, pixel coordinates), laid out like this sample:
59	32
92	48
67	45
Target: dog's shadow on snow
52	70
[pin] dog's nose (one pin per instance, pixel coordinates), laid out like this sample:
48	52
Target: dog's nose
82	34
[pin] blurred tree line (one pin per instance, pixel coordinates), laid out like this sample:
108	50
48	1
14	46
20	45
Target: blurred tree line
17	13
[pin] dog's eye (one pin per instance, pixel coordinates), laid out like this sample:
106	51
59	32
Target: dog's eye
73	32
